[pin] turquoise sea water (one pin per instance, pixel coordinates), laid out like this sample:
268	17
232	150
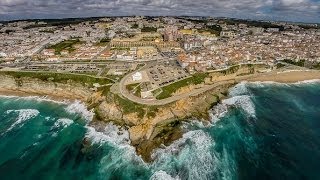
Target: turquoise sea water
263	131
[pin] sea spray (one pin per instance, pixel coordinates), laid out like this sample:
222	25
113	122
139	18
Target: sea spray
239	89
162	175
191	155
78	107
112	134
121	158
239	97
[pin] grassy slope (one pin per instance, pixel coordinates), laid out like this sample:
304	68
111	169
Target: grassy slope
167	91
58	77
132	107
65	45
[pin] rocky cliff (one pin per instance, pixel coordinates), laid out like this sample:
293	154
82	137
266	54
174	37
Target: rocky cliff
39	87
149	127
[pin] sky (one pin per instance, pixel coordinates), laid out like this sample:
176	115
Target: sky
279	10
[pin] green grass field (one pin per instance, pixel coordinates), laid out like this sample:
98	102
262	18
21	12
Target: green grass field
132	107
167	91
65	45
135	89
58	77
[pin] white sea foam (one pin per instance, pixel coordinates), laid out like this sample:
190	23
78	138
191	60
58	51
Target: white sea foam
63	122
192	152
217	112
244	102
112	134
23	115
239	89
162	175
36	98
77	107
240	97
313	81
122	151
263	84
195	124
268	83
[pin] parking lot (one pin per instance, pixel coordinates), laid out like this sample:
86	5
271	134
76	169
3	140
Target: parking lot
165	73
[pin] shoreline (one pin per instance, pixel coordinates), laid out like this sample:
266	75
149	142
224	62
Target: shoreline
62	99
50	97
283	77
149	134
287	77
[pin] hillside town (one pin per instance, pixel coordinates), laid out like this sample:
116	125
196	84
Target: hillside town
197	44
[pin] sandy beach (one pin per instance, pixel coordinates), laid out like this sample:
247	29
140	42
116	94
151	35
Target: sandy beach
287	76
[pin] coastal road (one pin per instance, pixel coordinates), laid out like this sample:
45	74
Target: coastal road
125	93
153	102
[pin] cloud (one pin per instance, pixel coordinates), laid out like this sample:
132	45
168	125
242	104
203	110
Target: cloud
294	10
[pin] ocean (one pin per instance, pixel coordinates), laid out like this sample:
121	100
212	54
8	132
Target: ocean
263	131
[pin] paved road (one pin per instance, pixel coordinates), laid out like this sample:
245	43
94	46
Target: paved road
125	93
194	92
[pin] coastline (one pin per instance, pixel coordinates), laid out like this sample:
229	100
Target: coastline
287	76
148	133
49	97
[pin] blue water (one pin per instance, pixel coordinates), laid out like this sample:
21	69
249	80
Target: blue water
263	131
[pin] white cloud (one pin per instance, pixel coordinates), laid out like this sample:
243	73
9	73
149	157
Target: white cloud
237	8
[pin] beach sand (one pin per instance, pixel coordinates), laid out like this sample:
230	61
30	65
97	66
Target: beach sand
287	76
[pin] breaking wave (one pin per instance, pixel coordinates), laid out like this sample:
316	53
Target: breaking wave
111	134
224	150
162	175
313	81
239	89
63	122
23	115
35	98
240	97
80	108
243	102
268	83
192	155
121	154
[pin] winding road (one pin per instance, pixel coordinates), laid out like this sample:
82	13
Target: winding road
125	93
152	102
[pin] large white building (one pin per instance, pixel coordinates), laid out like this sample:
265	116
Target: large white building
137	76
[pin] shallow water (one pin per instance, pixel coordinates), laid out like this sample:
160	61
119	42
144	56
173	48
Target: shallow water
263	131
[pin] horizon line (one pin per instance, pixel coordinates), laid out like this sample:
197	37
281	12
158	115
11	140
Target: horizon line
111	16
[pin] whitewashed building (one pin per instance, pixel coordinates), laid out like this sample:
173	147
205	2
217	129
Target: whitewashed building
137	76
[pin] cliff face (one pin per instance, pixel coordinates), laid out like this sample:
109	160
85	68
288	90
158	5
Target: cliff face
149	127
38	87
